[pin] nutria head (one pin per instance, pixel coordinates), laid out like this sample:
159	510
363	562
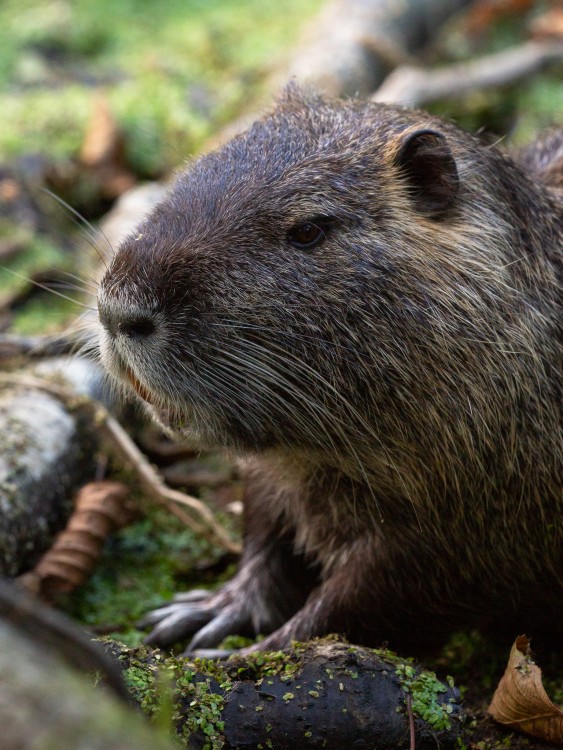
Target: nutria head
322	283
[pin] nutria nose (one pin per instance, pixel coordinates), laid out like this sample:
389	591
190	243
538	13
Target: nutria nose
134	325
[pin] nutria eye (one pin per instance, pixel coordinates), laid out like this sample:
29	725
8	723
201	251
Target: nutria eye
305	235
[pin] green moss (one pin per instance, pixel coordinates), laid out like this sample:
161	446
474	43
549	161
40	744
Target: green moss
141	682
172	72
46	311
538	104
425	689
235	642
262	664
142	566
37	254
45	315
505	744
197	707
204	710
175	697
40	123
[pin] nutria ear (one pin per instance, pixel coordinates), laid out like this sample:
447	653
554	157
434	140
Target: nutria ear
430	170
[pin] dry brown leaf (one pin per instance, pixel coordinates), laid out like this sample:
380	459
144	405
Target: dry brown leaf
102	141
100	509
549	25
103	151
520	700
484	13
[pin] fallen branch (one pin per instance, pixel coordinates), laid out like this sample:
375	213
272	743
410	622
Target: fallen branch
348	49
415	87
15	345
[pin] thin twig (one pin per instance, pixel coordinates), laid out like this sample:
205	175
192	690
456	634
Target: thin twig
153	484
415	87
411	722
116	437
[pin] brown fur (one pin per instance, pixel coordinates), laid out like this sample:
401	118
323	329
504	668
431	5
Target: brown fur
395	390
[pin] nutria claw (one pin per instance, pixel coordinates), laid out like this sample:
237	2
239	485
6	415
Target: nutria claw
171	623
169	608
206	619
255	601
184	615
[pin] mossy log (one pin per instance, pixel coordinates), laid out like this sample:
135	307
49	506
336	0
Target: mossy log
324	694
47	701
45	705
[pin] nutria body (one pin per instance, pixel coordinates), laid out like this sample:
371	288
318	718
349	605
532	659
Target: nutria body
364	303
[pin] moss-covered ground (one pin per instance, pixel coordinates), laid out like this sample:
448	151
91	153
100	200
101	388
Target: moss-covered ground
172	71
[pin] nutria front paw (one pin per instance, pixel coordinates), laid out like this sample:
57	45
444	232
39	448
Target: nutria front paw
250	604
206	616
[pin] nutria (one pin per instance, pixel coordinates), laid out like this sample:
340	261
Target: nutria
363	303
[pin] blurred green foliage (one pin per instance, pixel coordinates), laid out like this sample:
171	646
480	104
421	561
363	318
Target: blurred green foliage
515	112
143	565
172	71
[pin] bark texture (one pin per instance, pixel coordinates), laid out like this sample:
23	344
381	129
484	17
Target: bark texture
45	452
353	44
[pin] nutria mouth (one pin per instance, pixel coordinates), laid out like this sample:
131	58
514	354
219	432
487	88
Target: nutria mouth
139	388
162	414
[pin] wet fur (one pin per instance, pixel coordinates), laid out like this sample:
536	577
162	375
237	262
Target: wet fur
395	392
